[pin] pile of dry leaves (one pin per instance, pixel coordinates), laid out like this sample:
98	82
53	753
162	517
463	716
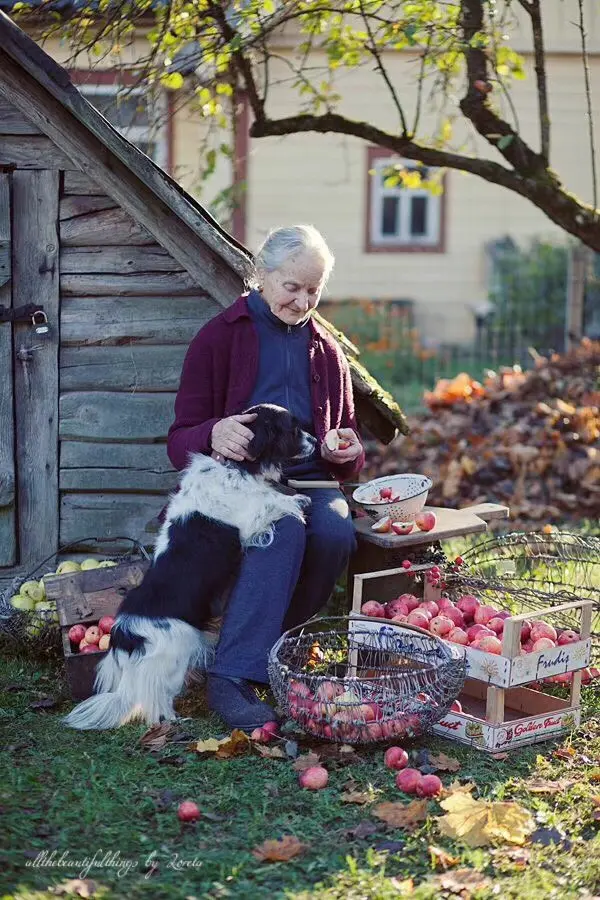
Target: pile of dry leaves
529	439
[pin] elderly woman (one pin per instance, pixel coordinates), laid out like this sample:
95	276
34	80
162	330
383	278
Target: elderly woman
267	348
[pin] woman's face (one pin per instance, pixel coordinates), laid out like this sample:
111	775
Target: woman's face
295	288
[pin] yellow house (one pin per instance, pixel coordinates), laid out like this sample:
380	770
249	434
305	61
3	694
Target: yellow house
388	243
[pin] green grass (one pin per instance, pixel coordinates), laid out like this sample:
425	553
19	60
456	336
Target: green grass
86	794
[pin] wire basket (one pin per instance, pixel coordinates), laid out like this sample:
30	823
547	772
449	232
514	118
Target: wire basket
38	630
559	566
357	682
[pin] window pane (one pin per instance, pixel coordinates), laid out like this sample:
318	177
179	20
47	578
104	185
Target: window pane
123	111
389	215
418	216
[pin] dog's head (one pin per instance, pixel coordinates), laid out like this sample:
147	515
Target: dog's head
278	438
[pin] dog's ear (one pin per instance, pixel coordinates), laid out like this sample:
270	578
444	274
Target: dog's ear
263	436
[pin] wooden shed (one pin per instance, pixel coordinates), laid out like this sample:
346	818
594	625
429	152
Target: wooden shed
126	267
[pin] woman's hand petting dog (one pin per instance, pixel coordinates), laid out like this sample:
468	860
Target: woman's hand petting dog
348	453
230	437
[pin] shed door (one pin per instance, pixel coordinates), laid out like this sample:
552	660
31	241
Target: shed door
7	429
29	274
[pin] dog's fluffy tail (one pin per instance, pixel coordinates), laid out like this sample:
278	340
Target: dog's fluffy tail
142	684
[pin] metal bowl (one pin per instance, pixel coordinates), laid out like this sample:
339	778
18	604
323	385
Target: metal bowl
411	491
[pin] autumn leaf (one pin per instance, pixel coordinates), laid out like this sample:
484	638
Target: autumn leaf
270	752
362	830
307	761
400	816
157	736
481	822
359	797
211	745
516	857
236	744
462	881
280	850
444	763
440	859
82	887
545	786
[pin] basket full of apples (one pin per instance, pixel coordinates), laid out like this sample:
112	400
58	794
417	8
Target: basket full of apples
342	679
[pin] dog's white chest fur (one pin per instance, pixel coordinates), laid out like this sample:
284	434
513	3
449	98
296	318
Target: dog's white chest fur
229	495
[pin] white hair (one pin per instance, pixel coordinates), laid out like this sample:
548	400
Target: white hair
282	243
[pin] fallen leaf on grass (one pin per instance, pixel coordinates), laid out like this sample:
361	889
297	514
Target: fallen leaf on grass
281	850
44	703
481	822
362	830
157	736
211	745
462	881
307	761
82	887
359	797
271	752
545	786
400	816
405	887
517	857
236	744
565	753
441	859
444	763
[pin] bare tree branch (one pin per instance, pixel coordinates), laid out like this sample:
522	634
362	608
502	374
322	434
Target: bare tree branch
241	63
533	9
588	97
382	70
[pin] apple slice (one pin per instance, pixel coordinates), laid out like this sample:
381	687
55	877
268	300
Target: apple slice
402	527
332	440
382	526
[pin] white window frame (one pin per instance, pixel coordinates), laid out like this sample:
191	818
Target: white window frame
155	132
432	238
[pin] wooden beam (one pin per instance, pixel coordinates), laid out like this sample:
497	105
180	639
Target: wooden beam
104	227
117	260
12	120
138	320
35	218
124	368
108	416
79	183
31	152
108	515
102	160
157	284
76	205
90	466
8	538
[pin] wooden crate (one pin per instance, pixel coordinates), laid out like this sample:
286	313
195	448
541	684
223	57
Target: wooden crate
527	717
85	597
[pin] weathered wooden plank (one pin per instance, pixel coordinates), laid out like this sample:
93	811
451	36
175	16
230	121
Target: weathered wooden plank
71	207
153	284
8	538
35	275
13	121
129	368
144	468
32	152
102	228
108	516
79	183
116	260
109	416
148	320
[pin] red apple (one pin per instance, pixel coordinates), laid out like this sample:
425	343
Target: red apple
408	780
400	619
483	614
104	642
430	606
92	634
455	614
467	605
373	731
106	623
543	643
458	636
490	645
396	608
474	631
528	646
445	603
271	727
425	521
396	758
77	634
568	637
416	617
456	706
525	630
83	643
402	527
564	678
313	779
329	690
89	648
429	786
188	811
496	624
385	493
382	526
543	630
374	609
441	625
409	600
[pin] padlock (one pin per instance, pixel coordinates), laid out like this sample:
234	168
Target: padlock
40	325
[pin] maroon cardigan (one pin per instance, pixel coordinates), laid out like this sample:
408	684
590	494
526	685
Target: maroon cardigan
219	373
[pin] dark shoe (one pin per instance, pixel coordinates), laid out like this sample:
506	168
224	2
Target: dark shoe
234	700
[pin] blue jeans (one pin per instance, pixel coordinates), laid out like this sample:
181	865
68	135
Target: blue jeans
282	585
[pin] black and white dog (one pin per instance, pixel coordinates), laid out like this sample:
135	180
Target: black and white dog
219	510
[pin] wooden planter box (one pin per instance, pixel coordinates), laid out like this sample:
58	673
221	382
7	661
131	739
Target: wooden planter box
85	597
528	717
